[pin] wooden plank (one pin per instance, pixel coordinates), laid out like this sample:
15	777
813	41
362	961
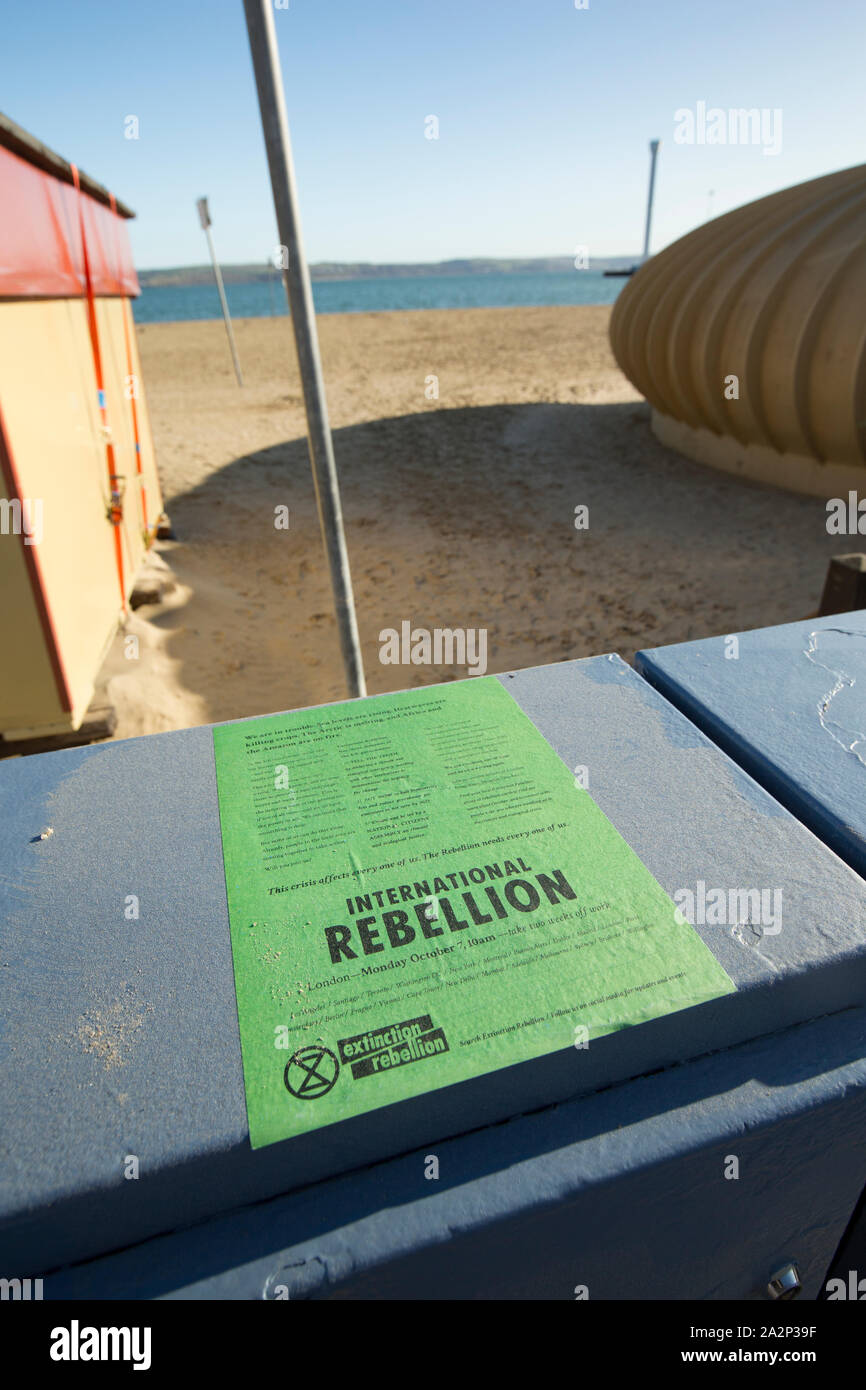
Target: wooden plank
13	137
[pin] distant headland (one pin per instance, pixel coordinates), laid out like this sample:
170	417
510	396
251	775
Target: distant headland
364	270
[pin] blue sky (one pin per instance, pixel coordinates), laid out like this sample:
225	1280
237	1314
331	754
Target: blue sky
545	112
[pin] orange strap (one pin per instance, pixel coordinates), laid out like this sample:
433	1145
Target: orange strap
132	377
115	506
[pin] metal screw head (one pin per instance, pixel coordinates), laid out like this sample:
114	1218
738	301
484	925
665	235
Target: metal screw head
785	1283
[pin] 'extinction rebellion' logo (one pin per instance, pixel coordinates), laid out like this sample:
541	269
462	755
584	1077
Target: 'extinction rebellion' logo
311	1072
395	1045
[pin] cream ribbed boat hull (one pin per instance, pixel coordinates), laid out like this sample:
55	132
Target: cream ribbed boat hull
774	295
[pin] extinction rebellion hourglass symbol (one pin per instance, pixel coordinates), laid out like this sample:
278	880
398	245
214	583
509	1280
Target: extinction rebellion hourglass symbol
311	1072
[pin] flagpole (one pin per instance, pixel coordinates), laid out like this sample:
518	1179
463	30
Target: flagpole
204	218
296	275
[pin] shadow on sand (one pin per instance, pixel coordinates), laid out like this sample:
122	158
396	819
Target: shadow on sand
466	518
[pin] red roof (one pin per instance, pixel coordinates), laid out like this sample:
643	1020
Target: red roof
41	218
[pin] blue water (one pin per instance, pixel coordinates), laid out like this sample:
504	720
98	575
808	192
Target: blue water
260	300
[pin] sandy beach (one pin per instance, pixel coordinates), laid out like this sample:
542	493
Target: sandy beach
459	511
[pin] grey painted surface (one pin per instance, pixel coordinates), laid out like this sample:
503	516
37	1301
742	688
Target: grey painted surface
624	1191
791	709
120	1037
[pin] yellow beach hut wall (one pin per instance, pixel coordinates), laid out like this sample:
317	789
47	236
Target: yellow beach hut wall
71	539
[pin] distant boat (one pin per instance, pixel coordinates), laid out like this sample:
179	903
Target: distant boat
631	270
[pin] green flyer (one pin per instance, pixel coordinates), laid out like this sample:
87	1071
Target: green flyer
419	893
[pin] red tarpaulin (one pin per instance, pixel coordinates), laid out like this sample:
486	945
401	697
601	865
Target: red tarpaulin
41	254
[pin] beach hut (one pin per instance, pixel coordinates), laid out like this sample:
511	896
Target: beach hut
79	493
746	336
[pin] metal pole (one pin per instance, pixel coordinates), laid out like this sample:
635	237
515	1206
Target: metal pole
269	266
275	125
654	149
204	217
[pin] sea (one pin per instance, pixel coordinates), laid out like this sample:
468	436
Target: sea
264	299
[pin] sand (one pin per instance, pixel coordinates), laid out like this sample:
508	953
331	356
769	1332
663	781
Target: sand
459	511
